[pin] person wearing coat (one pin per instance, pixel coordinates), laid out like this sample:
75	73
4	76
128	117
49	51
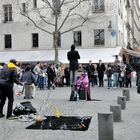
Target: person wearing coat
90	70
101	69
83	83
51	72
73	56
28	78
7	79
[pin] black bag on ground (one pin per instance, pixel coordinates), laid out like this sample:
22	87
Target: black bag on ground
73	96
24	108
82	95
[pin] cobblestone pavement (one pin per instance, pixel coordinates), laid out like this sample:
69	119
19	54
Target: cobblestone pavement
127	129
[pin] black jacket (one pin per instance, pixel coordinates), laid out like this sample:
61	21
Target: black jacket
73	57
51	72
90	69
101	68
9	75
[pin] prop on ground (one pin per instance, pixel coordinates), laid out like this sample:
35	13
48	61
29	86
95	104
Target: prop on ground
62	123
24	108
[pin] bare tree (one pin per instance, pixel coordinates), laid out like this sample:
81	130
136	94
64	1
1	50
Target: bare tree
54	14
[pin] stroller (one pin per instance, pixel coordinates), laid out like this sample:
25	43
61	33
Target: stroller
82	87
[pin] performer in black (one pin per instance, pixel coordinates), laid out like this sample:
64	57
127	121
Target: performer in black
73	57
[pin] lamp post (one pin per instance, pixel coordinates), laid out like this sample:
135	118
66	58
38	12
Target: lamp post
110	26
110	30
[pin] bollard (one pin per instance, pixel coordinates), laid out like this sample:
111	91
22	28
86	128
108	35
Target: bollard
126	92
122	101
116	109
105	126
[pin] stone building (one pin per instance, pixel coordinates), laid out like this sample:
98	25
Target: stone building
111	26
133	29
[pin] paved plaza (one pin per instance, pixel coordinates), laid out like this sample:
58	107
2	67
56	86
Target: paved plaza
127	129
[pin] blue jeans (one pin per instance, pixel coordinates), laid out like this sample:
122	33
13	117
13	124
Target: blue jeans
115	78
109	82
46	81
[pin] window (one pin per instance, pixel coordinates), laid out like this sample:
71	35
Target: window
8	41
77	38
35	40
59	39
99	38
98	6
34	3
24	7
7	12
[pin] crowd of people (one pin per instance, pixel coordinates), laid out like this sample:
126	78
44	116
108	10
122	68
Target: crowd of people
46	76
43	75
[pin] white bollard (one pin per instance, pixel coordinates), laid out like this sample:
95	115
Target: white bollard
116	109
122	101
126	92
105	126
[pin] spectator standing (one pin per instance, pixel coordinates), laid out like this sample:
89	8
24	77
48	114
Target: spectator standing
37	71
109	75
51	76
7	80
95	75
67	75
29	80
121	76
101	69
90	71
116	72
128	71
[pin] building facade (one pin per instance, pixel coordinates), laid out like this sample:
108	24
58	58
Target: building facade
110	24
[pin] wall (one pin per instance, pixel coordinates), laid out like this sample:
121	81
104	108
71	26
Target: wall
21	29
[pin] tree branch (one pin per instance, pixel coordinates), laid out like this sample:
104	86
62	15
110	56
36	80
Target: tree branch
27	16
69	2
67	16
75	26
43	18
62	4
47	2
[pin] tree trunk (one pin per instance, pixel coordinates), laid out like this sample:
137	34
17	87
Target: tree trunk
56	37
56	47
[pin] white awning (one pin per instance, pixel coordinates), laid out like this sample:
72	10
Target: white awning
27	56
105	54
